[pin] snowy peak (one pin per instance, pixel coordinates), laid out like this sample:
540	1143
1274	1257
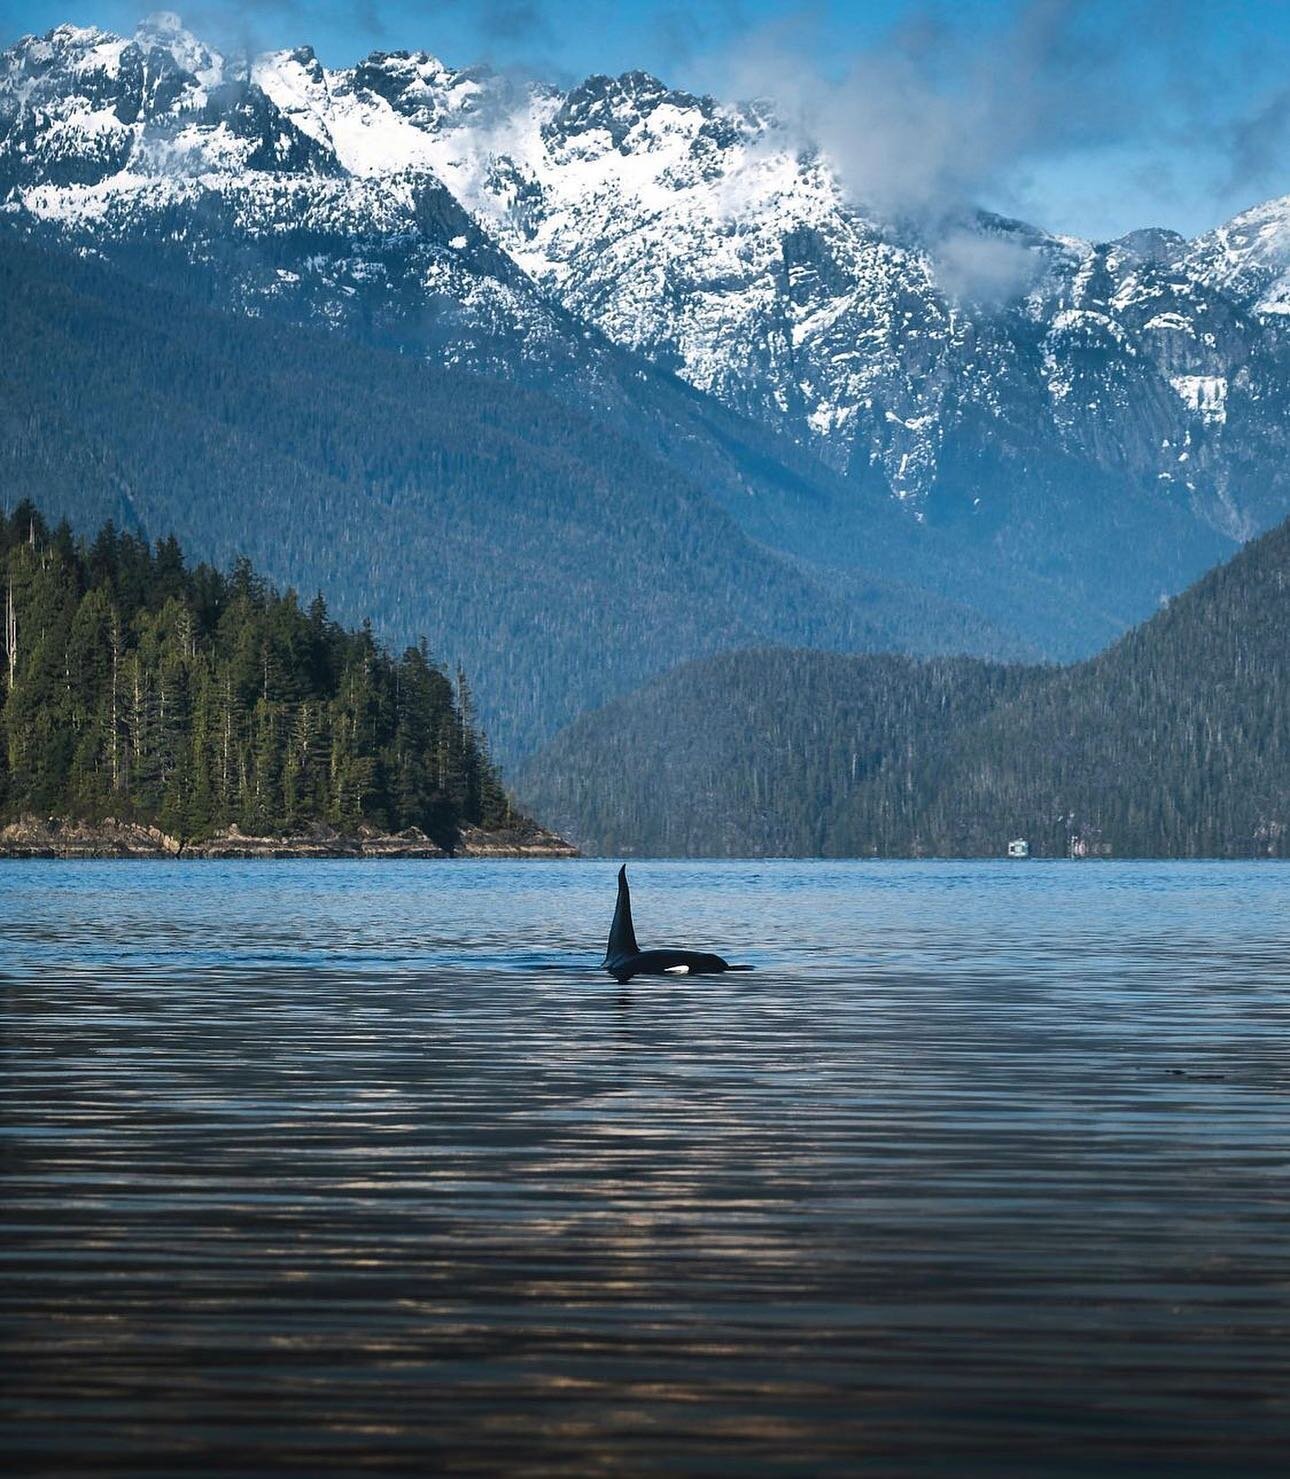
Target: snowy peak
1150	244
394	111
419	86
84	63
279	187
1249	257
239	126
80	106
707	238
356	124
615	107
71	103
164	31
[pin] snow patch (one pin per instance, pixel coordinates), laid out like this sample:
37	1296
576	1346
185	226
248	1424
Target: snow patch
1174	321
1205	395
912	423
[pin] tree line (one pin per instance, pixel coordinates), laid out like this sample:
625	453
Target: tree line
191	698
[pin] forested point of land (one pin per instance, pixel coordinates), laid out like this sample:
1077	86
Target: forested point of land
137	687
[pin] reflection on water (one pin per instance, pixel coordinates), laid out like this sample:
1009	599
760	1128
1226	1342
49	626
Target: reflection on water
323	1166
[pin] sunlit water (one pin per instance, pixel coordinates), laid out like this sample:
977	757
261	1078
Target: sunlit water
333	1166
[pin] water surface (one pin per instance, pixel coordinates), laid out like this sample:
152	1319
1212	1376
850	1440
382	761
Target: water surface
330	1166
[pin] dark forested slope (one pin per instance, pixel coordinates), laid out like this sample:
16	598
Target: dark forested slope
559	560
759	752
137	688
1173	742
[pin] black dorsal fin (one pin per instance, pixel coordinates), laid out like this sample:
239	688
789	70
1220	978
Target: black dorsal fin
622	937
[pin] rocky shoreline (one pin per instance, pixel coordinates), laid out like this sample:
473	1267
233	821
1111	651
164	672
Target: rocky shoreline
63	837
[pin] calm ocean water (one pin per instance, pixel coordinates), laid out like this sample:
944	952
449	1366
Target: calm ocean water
327	1167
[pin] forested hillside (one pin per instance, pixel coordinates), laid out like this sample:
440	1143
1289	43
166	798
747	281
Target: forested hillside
138	688
559	560
1174	742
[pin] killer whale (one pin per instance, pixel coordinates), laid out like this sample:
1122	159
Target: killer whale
624	958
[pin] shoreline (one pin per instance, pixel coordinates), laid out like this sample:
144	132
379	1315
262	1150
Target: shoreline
64	839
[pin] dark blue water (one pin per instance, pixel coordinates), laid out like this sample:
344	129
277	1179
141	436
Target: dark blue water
329	1167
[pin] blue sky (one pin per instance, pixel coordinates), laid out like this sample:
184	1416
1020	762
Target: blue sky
1088	116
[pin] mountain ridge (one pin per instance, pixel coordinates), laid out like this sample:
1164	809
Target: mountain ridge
1058	440
624	181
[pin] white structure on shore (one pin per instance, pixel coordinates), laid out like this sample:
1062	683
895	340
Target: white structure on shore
1018	848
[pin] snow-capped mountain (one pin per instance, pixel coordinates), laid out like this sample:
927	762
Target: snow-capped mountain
706	238
158	144
274	188
1248	259
1108	418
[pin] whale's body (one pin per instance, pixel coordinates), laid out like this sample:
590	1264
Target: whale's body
625	959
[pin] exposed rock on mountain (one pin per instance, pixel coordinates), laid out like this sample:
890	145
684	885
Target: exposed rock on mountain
709	239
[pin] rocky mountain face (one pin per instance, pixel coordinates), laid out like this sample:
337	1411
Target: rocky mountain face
157	146
709	240
214	180
1076	429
